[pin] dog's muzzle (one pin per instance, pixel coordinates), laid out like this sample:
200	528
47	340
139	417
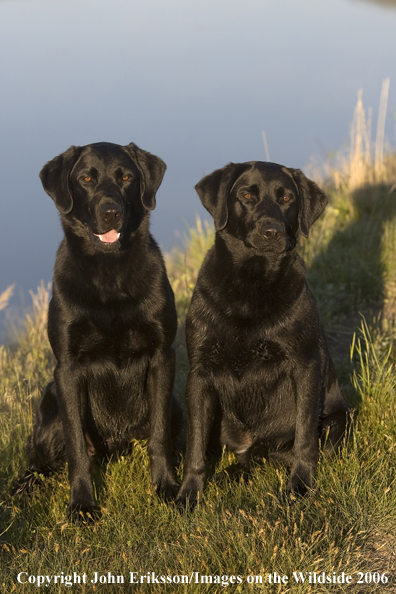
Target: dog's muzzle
109	216
272	232
273	237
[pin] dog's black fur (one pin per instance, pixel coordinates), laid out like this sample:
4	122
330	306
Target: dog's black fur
111	322
261	378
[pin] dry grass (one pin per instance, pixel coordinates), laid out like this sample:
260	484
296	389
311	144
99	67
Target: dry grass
183	265
364	161
5	296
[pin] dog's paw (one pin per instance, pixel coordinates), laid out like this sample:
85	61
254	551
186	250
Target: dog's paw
82	513
166	488
301	479
235	472
189	495
26	483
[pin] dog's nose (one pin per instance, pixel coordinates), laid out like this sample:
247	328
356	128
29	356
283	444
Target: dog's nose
271	231
110	213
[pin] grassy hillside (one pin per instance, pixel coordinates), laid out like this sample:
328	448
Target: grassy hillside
347	524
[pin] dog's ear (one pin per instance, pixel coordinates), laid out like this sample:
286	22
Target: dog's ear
313	200
55	176
214	189
151	169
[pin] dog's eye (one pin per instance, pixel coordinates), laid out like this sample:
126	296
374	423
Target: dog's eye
286	198
247	196
125	177
87	178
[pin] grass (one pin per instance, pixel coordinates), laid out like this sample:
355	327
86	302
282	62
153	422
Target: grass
183	265
347	524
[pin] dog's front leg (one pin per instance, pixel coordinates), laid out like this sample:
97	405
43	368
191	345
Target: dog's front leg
201	407
69	392
160	384
306	441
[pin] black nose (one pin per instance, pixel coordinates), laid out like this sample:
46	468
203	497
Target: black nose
110	213
272	232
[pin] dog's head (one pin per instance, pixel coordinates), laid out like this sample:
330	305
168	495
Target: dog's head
103	190
263	204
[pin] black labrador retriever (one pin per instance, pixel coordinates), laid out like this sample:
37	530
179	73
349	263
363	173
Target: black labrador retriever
261	378
111	322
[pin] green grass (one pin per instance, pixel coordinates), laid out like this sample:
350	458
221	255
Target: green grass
347	524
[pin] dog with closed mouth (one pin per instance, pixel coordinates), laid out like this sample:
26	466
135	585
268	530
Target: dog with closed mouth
111	323
261	379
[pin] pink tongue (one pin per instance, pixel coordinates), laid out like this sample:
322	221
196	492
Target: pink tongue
109	237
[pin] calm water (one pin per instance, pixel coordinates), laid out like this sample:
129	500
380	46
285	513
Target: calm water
195	83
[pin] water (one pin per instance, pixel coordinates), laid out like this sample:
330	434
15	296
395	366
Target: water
194	83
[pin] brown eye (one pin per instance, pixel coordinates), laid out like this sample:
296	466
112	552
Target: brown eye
125	177
247	196
286	198
87	178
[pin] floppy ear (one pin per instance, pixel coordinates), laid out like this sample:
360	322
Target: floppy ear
151	169
213	190
55	178
313	200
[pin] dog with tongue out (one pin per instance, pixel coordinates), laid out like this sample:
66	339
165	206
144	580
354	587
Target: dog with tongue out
111	324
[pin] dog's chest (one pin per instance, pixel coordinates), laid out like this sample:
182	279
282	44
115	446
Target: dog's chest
253	381
240	357
115	339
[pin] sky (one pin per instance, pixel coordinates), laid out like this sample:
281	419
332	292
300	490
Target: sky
194	82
